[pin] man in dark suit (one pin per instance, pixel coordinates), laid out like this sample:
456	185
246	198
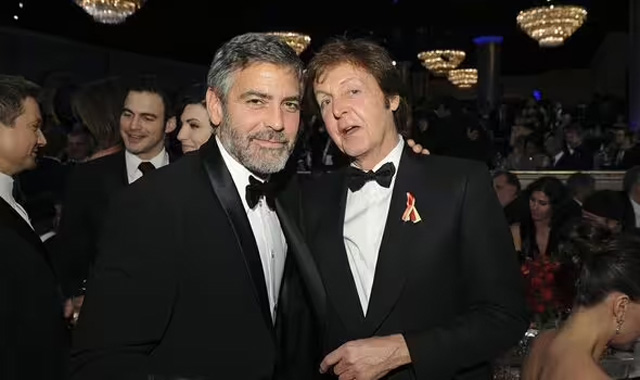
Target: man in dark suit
33	334
143	126
421	276
196	273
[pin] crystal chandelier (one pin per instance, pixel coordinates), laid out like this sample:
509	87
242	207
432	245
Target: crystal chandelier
551	25
110	11
298	42
463	78
439	62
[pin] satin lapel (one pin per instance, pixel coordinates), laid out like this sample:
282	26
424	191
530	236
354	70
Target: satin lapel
332	257
304	261
12	220
396	245
225	189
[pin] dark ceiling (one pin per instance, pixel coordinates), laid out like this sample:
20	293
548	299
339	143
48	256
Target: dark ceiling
190	30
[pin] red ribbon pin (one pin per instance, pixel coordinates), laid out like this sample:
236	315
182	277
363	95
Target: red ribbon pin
411	213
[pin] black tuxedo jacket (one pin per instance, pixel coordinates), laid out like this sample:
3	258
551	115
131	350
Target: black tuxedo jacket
89	189
178	287
450	283
33	335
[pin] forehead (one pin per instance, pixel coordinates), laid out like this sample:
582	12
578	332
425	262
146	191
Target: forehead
340	74
501	179
193	109
144	102
30	110
266	78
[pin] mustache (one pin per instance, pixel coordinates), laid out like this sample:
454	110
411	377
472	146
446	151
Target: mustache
271	135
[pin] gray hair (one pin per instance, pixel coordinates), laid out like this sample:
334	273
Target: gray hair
247	49
13	91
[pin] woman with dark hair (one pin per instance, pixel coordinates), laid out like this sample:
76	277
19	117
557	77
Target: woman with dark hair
195	127
606	310
539	239
541	228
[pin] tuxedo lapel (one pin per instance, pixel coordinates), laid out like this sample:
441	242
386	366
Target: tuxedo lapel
304	260
338	279
226	192
395	248
10	219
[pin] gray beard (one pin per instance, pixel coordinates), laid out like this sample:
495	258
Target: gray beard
261	161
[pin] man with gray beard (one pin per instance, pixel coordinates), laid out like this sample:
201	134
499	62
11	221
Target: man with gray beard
198	273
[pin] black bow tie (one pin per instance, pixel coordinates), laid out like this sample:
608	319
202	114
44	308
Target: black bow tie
356	178
256	189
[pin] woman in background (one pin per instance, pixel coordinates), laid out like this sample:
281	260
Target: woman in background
606	310
194	124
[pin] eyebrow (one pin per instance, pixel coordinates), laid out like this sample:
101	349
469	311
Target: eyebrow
262	95
192	119
125	109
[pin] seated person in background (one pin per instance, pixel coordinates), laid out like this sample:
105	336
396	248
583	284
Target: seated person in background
606	310
606	209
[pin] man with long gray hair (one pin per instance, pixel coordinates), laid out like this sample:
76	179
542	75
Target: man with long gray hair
196	275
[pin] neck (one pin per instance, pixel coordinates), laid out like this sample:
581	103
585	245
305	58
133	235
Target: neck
105	152
542	224
146	156
6	169
582	330
371	158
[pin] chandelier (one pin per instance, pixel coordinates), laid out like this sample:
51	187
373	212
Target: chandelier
298	42
110	11
463	78
439	62
551	25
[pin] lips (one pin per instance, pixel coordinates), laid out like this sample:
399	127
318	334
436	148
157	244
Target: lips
349	130
270	143
135	137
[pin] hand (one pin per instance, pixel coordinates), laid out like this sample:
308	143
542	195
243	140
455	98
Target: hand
367	359
472	134
417	148
76	305
67	308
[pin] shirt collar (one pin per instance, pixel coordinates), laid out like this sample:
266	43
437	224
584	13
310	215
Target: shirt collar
393	156
239	173
133	161
6	187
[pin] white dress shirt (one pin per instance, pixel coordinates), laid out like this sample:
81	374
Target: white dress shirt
133	161
266	228
6	193
636	211
364	222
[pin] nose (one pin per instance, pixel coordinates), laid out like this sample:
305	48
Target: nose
337	108
42	141
276	120
134	123
184	133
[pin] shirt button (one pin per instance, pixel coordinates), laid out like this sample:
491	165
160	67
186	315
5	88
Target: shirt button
273	255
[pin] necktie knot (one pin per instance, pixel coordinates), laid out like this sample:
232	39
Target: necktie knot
145	167
257	189
356	178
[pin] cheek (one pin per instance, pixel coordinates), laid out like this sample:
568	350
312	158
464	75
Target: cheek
201	135
291	123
